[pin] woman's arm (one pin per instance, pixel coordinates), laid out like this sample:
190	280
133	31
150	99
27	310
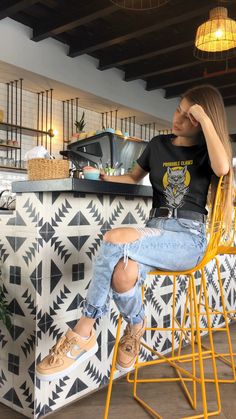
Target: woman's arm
217	154
133	177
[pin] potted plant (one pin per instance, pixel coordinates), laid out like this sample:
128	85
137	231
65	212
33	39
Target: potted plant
80	127
5	314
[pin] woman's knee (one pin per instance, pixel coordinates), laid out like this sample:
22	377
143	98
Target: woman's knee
121	235
124	276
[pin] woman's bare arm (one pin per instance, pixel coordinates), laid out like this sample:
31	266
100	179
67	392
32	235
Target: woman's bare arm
133	177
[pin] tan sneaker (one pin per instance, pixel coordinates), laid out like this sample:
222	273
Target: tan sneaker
69	352
128	347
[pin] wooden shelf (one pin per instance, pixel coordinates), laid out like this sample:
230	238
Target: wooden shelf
4	146
12	169
4	126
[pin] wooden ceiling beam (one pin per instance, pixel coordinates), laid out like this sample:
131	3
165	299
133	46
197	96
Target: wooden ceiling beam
142	73
72	21
10	7
130	58
219	82
184	78
88	46
230	102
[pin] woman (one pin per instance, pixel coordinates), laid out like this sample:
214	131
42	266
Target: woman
182	166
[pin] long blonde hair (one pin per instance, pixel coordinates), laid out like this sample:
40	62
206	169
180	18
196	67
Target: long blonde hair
211	100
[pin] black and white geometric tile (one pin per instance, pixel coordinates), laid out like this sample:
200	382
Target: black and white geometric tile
46	250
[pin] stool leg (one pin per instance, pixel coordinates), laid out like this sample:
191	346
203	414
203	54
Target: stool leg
109	390
200	358
225	315
211	341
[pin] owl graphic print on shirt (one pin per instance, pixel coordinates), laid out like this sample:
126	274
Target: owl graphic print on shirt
175	182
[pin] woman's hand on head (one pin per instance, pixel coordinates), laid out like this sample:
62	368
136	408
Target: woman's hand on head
196	114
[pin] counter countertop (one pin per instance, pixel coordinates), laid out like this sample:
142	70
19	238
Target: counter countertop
82	185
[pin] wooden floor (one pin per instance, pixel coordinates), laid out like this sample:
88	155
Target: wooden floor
167	398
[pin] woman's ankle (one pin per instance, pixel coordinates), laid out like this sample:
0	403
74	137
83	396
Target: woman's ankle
84	327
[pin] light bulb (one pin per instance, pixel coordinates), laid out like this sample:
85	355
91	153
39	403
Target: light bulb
55	132
219	33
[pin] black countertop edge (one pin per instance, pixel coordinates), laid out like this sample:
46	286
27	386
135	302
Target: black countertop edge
82	185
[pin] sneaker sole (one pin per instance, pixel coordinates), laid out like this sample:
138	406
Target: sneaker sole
61	374
123	369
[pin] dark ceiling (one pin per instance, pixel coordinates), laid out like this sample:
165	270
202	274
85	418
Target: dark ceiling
155	46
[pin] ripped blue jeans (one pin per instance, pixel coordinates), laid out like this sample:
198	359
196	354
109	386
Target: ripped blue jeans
167	244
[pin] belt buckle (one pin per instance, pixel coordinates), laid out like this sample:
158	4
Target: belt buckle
169	212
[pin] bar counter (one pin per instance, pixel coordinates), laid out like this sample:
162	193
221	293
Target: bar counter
47	248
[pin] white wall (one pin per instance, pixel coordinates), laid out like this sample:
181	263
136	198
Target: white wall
49	58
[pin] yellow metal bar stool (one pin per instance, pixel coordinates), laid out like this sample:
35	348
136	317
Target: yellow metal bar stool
227	247
190	329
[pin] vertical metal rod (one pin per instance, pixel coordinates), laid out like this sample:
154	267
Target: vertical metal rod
8	106
50	150
68	121
149	131
63	124
130	119
38	117
16	119
77	108
111	119
116	119
102	120
12	116
121	125
141	131
134	125
72	115
46	119
21	80
42	94
8	88
154	129
106	119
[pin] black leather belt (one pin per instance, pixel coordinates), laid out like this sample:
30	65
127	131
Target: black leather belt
165	212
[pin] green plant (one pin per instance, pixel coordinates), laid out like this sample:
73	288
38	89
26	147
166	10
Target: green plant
80	124
5	314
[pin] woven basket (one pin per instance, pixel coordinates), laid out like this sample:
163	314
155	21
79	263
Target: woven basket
47	169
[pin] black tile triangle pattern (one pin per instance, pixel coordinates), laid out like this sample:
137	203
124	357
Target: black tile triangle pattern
31	252
29	345
96	214
53	271
12	396
129	219
78	219
78	241
141	212
16	331
19	220
93	373
31	211
29	398
29	302
3	379
15	242
61	249
15	308
77	387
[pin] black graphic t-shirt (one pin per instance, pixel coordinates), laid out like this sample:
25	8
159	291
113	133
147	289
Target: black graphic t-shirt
180	176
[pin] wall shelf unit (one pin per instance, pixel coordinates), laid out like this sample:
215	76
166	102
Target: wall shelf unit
4	126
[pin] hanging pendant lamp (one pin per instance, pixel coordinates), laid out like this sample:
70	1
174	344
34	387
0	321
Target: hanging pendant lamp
139	4
216	39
